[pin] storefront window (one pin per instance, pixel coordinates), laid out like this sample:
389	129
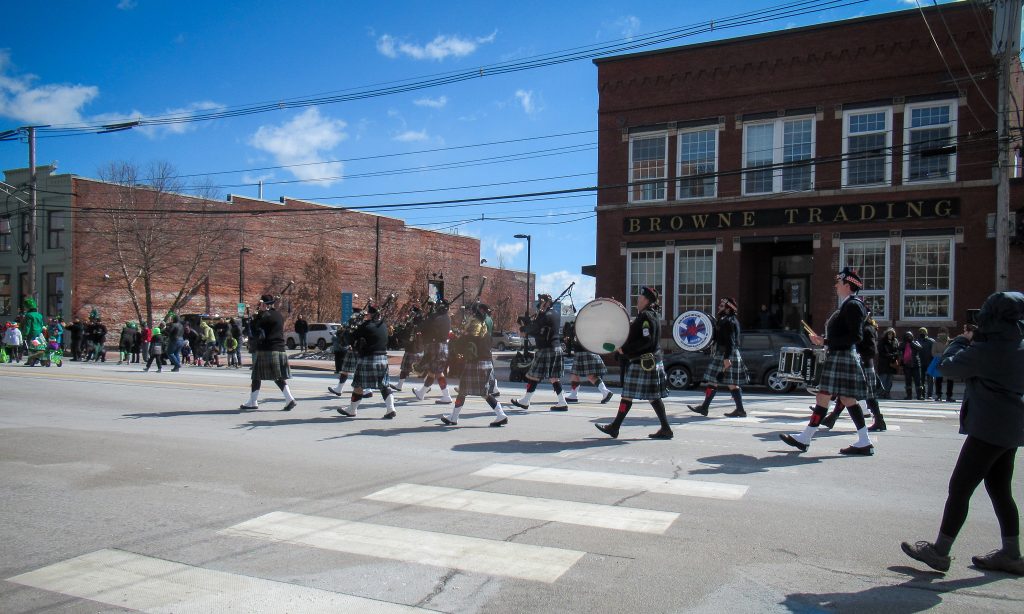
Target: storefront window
55	229
867	141
5	234
871	260
784	148
928	279
697	163
695	279
648	159
54	294
929	134
5	294
759	141
646	268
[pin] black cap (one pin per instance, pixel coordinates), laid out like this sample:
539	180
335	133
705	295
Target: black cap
851	277
649	293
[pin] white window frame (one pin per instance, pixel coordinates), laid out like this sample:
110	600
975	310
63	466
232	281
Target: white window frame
952	105
778	151
630	253
648	135
885	292
903	281
713	128
846	146
714	274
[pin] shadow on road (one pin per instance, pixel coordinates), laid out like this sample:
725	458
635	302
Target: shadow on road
256	424
923	591
429	428
206	412
515	446
738	464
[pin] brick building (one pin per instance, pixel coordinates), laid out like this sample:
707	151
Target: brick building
755	167
196	250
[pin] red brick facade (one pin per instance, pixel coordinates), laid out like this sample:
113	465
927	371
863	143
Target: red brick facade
821	73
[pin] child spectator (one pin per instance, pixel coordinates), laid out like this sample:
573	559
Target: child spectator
231	345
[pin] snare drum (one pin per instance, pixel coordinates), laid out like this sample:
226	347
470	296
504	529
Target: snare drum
602	325
693	330
802	365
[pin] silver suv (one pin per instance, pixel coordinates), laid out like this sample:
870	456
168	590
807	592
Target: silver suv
319	335
507	341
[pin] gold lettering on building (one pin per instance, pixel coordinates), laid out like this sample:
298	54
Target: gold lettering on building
841	215
699	221
748	218
790	215
864	215
676	223
655	224
724	220
943	208
634	224
813	214
914	209
889	206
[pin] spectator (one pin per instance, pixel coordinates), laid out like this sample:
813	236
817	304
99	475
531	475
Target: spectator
910	359
13	341
926	359
764	318
221	329
938	348
991	362
156	349
124	344
146	337
99	340
888	362
236	332
301	328
174	333
77	334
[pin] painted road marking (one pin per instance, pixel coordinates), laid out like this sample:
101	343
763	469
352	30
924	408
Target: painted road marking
137	582
486	556
556	510
620	481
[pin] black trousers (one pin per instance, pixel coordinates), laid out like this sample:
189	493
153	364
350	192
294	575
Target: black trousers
981	461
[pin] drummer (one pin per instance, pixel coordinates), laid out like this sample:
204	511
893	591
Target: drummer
589	365
645	377
726	366
842	374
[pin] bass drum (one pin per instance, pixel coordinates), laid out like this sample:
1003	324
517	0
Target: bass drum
602	325
693	331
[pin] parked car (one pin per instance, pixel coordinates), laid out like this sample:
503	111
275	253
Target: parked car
507	341
320	335
760	350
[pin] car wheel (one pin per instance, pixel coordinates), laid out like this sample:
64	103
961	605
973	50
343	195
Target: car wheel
776	384
679	377
321	344
290	344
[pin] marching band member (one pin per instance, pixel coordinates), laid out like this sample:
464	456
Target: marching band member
436	329
477	370
547	364
371	343
645	378
589	365
411	343
841	374
726	365
270	362
868	350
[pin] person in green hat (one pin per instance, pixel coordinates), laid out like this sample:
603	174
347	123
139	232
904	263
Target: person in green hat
32	327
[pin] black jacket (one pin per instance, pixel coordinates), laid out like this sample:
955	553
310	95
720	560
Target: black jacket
727	333
868	346
993	367
546	328
888	355
845	327
301	326
436	327
268	328
372	338
644	335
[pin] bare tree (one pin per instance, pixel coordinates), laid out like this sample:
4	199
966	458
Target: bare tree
161	243
319	292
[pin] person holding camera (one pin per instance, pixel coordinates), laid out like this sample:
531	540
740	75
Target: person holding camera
991	361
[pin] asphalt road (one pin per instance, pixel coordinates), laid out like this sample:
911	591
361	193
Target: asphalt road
132	491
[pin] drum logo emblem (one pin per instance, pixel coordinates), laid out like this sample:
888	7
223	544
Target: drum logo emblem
693	330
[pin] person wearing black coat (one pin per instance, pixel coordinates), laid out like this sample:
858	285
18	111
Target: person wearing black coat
726	366
888	361
270	361
910	358
370	342
77	334
991	361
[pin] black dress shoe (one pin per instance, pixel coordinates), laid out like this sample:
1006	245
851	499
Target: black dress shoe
608	430
829	421
290	406
248	407
501	422
739	413
390	415
560	408
789	439
699	409
572	400
607	397
519	405
445	421
867	450
877	426
346	413
367	395
661	434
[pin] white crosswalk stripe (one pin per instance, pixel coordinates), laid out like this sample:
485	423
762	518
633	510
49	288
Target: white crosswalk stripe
620	481
496	558
146	584
556	510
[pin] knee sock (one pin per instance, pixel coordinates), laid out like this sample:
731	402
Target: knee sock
659	409
601	387
857	415
624	405
459	402
353	405
873	407
557	387
442	382
737	396
812	424
284	388
496	406
709	394
531	387
574	386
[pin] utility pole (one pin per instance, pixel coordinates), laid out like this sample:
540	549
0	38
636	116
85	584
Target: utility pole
1005	43
31	247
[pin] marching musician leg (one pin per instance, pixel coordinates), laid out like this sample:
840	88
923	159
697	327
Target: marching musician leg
500	419
446	396
574	384
353	405
606	395
422	391
556	385
829	421
389	402
709	394
291	403
612	430
254	394
524	401
737	397
863	447
665	432
802	440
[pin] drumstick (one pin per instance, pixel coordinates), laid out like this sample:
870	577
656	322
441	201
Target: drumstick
807	329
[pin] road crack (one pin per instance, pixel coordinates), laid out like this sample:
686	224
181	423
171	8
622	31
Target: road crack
527	530
442	584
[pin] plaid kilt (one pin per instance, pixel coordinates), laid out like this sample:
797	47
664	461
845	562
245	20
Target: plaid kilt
716	374
270	366
586	363
843	375
349	362
872	380
641	385
475	378
547	363
371	372
435	358
408	360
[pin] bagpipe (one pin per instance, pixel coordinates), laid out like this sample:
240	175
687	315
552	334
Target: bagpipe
464	346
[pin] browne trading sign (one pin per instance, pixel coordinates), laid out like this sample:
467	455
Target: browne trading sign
892	212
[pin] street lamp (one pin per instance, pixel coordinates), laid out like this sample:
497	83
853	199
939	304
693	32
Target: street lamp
241	273
464	278
529	249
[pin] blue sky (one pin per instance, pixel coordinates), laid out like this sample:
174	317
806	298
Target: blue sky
69	63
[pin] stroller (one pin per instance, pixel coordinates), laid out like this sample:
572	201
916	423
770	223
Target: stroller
44	352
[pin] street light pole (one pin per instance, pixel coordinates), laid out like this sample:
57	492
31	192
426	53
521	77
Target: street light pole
241	273
529	251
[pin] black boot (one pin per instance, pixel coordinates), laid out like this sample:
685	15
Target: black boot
878	424
829	421
702	409
737	396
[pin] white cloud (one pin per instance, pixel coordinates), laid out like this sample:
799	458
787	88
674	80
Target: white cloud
25	102
249	178
555	283
433	103
525	98
628	26
160	130
441	47
411	136
505	252
303	140
127	5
